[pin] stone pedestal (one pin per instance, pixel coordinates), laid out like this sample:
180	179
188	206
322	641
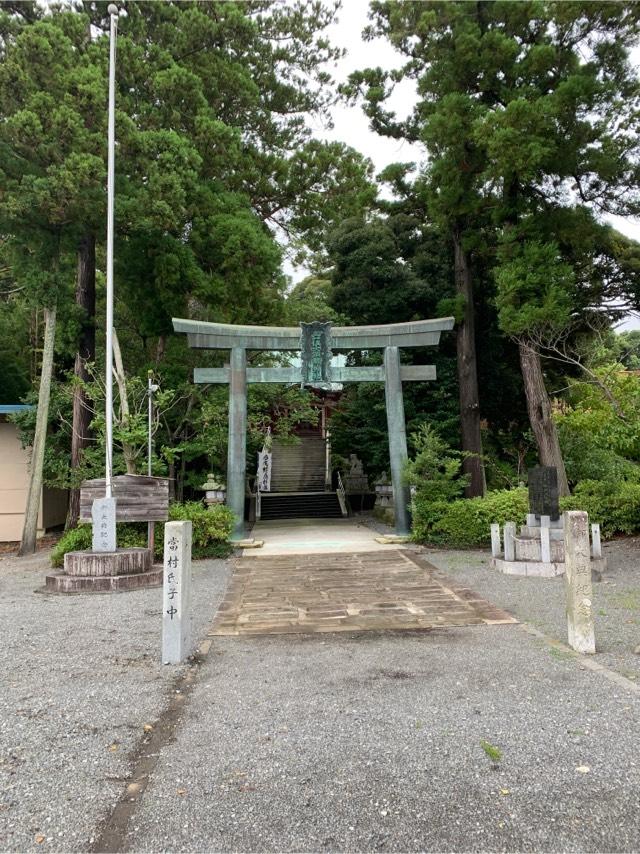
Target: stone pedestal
538	550
105	572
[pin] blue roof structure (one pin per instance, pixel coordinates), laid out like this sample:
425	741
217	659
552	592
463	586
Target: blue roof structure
10	408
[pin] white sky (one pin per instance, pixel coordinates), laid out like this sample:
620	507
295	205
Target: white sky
352	126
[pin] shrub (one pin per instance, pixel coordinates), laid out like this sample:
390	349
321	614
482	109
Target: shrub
466	522
435	470
615	506
211	529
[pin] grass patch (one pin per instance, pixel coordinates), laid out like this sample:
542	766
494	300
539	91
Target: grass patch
494	753
627	599
561	654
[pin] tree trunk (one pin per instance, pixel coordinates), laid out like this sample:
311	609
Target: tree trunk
468	376
121	380
82	414
34	494
539	408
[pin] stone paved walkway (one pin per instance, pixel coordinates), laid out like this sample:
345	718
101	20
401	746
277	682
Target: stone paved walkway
314	536
365	591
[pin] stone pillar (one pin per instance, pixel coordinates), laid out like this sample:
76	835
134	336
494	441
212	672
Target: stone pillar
495	540
545	521
596	544
397	439
103	517
578	582
509	540
176	594
237	451
545	545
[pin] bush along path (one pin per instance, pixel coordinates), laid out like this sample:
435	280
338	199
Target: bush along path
211	530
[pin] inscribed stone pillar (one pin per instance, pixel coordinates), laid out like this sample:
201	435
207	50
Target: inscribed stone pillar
509	540
596	543
397	438
495	540
176	594
103	516
237	451
545	544
577	563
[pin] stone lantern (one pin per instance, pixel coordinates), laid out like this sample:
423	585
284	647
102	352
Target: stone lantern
215	491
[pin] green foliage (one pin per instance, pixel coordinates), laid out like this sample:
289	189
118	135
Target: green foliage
614	505
211	529
534	289
494	753
435	470
467	522
599	429
311	300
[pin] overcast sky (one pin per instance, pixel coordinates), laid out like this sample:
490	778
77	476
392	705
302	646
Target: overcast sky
352	126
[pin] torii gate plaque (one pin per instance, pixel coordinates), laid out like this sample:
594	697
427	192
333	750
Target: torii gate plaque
316	371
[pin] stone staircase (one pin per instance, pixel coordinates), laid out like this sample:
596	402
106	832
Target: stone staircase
300	505
298	467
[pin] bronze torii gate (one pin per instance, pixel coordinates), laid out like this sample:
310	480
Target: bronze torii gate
317	342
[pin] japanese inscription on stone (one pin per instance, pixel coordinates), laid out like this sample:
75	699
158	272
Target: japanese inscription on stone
103	515
176	592
315	340
543	492
578	583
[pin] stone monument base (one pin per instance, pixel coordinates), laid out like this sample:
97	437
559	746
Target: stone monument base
105	572
541	569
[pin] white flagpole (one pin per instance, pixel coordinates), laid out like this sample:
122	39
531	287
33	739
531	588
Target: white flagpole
113	13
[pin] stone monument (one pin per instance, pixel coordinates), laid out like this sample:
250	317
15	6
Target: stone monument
539	549
356	481
105	568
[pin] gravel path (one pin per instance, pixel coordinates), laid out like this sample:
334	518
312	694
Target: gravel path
335	742
541	601
374	742
81	675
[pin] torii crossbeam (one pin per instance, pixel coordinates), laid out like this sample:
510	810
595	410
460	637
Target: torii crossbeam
316	341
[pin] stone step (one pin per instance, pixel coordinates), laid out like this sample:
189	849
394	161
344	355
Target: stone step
306	505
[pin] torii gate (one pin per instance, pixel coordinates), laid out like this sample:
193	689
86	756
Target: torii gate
317	342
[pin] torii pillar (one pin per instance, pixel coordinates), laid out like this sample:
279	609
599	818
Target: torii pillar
389	338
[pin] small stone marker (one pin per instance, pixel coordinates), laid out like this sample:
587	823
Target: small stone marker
531	520
596	545
495	540
176	594
545	544
509	540
103	515
578	582
545	521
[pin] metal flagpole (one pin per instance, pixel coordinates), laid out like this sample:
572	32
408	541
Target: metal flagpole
152	388
113	13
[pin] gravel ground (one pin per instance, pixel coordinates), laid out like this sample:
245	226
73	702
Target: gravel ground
81	675
335	742
541	601
373	742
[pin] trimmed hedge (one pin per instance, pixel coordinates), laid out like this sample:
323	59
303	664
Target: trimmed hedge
211	530
466	522
614	505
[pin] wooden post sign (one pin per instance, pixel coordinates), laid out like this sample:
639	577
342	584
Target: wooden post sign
139	498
